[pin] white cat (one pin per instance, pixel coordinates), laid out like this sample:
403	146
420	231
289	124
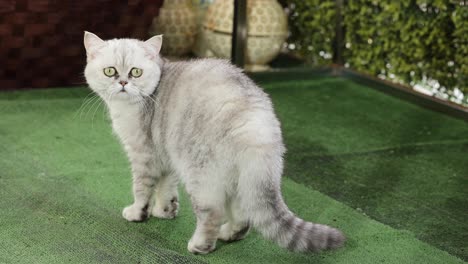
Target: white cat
205	123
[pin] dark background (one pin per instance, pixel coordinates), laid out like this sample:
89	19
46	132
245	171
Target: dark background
41	41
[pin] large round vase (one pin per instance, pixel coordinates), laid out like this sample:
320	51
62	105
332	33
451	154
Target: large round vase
267	29
178	23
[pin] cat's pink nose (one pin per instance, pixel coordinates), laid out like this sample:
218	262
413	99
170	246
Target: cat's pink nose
123	83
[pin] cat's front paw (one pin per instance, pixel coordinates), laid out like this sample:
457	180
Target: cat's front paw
168	210
135	213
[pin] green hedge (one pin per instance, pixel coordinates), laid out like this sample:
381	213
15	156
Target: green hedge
460	20
402	40
312	25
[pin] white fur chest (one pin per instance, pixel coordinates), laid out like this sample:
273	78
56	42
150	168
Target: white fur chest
127	123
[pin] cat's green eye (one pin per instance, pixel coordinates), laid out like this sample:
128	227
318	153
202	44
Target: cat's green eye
135	72
110	71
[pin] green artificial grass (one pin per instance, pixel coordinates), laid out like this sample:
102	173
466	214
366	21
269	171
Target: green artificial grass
399	163
393	175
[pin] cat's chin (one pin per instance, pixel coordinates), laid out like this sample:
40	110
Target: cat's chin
122	96
125	97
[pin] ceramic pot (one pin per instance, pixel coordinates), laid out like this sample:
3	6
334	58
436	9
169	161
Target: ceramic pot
201	48
267	29
178	23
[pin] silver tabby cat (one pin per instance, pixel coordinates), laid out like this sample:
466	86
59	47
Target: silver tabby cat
206	124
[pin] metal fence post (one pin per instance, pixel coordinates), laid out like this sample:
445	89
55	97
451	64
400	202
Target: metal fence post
338	45
239	33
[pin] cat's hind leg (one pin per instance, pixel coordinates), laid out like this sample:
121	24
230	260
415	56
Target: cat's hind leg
166	204
208	205
237	227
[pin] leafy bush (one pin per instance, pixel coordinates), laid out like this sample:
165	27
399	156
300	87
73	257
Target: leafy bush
312	25
410	41
460	20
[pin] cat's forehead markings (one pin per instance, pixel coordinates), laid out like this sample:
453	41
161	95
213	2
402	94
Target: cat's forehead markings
124	53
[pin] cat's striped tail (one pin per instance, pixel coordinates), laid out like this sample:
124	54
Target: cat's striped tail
292	232
262	202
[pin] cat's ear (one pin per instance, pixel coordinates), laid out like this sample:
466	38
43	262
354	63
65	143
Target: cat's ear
92	42
155	43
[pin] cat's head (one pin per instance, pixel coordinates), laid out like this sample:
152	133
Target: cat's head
122	69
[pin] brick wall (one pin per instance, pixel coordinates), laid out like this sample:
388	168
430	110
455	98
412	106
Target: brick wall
41	41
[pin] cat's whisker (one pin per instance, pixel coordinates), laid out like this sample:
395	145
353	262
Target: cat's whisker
92	106
108	97
142	105
88	107
92	119
88	103
151	98
84	103
149	105
145	101
84	99
146	96
105	109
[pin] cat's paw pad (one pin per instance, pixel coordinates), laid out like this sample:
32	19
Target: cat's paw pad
200	248
168	210
134	213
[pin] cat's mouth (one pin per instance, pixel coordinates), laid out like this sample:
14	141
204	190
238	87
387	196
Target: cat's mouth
122	90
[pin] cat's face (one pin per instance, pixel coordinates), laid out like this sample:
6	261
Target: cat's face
122	69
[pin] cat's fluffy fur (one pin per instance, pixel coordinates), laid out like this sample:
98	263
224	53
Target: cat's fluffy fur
205	123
